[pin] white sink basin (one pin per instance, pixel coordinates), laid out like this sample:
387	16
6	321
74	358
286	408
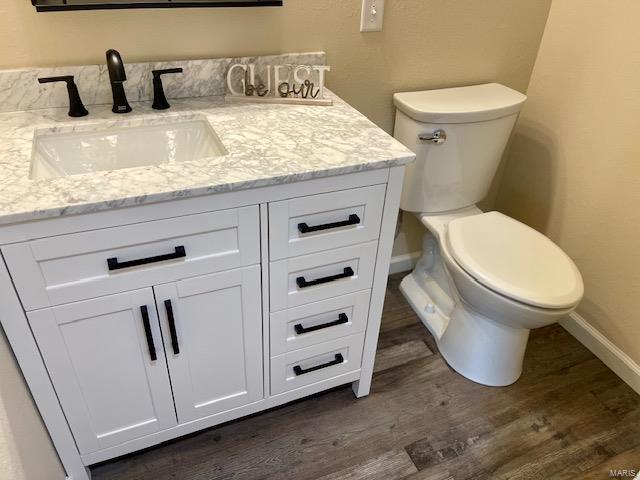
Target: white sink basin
62	154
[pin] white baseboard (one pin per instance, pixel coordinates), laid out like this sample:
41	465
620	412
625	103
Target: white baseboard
403	263
604	349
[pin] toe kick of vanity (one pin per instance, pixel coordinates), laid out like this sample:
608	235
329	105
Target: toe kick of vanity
177	316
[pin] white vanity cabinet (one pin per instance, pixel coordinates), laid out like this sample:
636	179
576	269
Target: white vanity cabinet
139	325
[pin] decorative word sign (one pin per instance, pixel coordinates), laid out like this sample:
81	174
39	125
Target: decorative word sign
301	84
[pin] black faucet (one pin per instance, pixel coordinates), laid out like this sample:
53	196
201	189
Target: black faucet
117	76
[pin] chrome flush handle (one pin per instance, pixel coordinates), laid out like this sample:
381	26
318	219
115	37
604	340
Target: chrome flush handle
437	137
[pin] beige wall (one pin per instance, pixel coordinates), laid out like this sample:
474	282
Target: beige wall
573	169
425	44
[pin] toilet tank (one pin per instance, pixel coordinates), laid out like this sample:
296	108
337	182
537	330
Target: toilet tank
453	172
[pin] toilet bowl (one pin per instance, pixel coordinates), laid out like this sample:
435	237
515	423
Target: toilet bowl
484	279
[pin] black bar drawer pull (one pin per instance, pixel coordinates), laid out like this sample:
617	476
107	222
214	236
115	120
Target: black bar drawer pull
342	318
114	264
298	370
304	283
305	228
147	332
172	327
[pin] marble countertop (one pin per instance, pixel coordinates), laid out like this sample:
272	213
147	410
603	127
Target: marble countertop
266	144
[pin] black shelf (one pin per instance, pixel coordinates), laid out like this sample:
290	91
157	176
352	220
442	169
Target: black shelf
67	5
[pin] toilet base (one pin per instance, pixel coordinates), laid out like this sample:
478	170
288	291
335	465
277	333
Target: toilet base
482	350
478	348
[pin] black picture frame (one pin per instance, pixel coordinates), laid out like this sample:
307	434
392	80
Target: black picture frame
67	5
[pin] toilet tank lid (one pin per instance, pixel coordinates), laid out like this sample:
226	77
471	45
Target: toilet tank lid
475	103
515	260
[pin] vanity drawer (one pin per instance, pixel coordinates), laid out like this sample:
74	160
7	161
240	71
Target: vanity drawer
79	266
323	222
311	278
317	363
319	322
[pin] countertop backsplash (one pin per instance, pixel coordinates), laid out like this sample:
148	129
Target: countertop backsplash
20	90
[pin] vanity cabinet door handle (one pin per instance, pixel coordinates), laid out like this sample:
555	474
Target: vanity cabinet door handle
304	283
172	327
305	228
147	331
298	370
114	264
300	330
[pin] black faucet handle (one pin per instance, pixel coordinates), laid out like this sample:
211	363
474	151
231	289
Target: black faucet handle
62	78
159	99
157	73
76	107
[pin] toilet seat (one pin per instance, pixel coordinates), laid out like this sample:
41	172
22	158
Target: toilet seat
514	260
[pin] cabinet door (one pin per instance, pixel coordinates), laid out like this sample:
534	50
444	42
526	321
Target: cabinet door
212	330
112	385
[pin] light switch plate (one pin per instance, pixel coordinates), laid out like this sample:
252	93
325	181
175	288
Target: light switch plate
372	15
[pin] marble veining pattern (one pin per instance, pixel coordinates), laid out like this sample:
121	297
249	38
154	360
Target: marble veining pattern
20	90
267	145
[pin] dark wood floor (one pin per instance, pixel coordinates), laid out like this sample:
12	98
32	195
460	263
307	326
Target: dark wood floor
568	417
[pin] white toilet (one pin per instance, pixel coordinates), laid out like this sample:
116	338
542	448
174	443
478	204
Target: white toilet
484	279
